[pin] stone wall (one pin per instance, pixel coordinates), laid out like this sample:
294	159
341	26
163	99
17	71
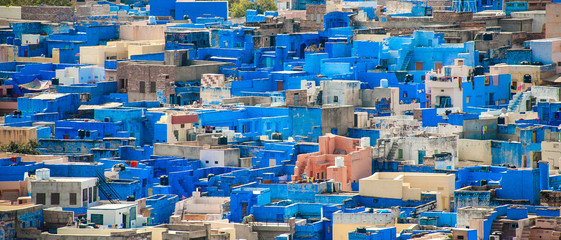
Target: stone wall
447	16
550	198
55	219
47	13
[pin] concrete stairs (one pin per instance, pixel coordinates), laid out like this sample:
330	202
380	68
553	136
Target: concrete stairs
518	100
393	149
497	226
405	64
525	234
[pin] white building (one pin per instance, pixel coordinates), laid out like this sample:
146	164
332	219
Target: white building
71	192
116	215
81	75
229	157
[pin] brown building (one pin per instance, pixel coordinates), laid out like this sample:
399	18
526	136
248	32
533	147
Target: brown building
154	80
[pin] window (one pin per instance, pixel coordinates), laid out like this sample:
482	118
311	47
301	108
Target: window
85	195
215	162
335	99
467	99
152	87
182	125
460	237
97	219
142	86
95	193
207	162
41	198
91	194
73	198
296	98
55	198
404	94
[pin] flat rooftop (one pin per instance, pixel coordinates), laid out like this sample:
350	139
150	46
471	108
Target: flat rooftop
112	206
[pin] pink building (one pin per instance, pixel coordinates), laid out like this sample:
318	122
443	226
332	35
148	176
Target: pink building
340	158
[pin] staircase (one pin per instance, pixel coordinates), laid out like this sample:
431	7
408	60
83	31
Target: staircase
497	226
525	234
393	149
405	64
109	192
517	101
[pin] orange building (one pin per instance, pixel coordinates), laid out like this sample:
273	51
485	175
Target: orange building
340	158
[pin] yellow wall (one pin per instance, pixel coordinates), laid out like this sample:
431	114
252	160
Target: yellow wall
17	134
118	50
408	186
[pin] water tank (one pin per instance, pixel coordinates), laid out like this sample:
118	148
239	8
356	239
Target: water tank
119	167
276	136
527	78
152	20
222	140
339	161
131	198
478	70
81	133
17	114
43	174
365	142
408	78
164	180
384	83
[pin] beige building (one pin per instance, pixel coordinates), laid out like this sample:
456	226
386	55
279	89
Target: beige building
517	73
17	134
409	186
553	20
97	55
140	31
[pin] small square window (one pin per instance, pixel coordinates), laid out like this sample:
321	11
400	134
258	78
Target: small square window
40	198
336	99
55	198
215	162
73	199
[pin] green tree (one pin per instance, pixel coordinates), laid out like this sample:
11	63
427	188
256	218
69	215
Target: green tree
238	8
25	148
265	5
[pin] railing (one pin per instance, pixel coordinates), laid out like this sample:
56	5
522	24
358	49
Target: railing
107	190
